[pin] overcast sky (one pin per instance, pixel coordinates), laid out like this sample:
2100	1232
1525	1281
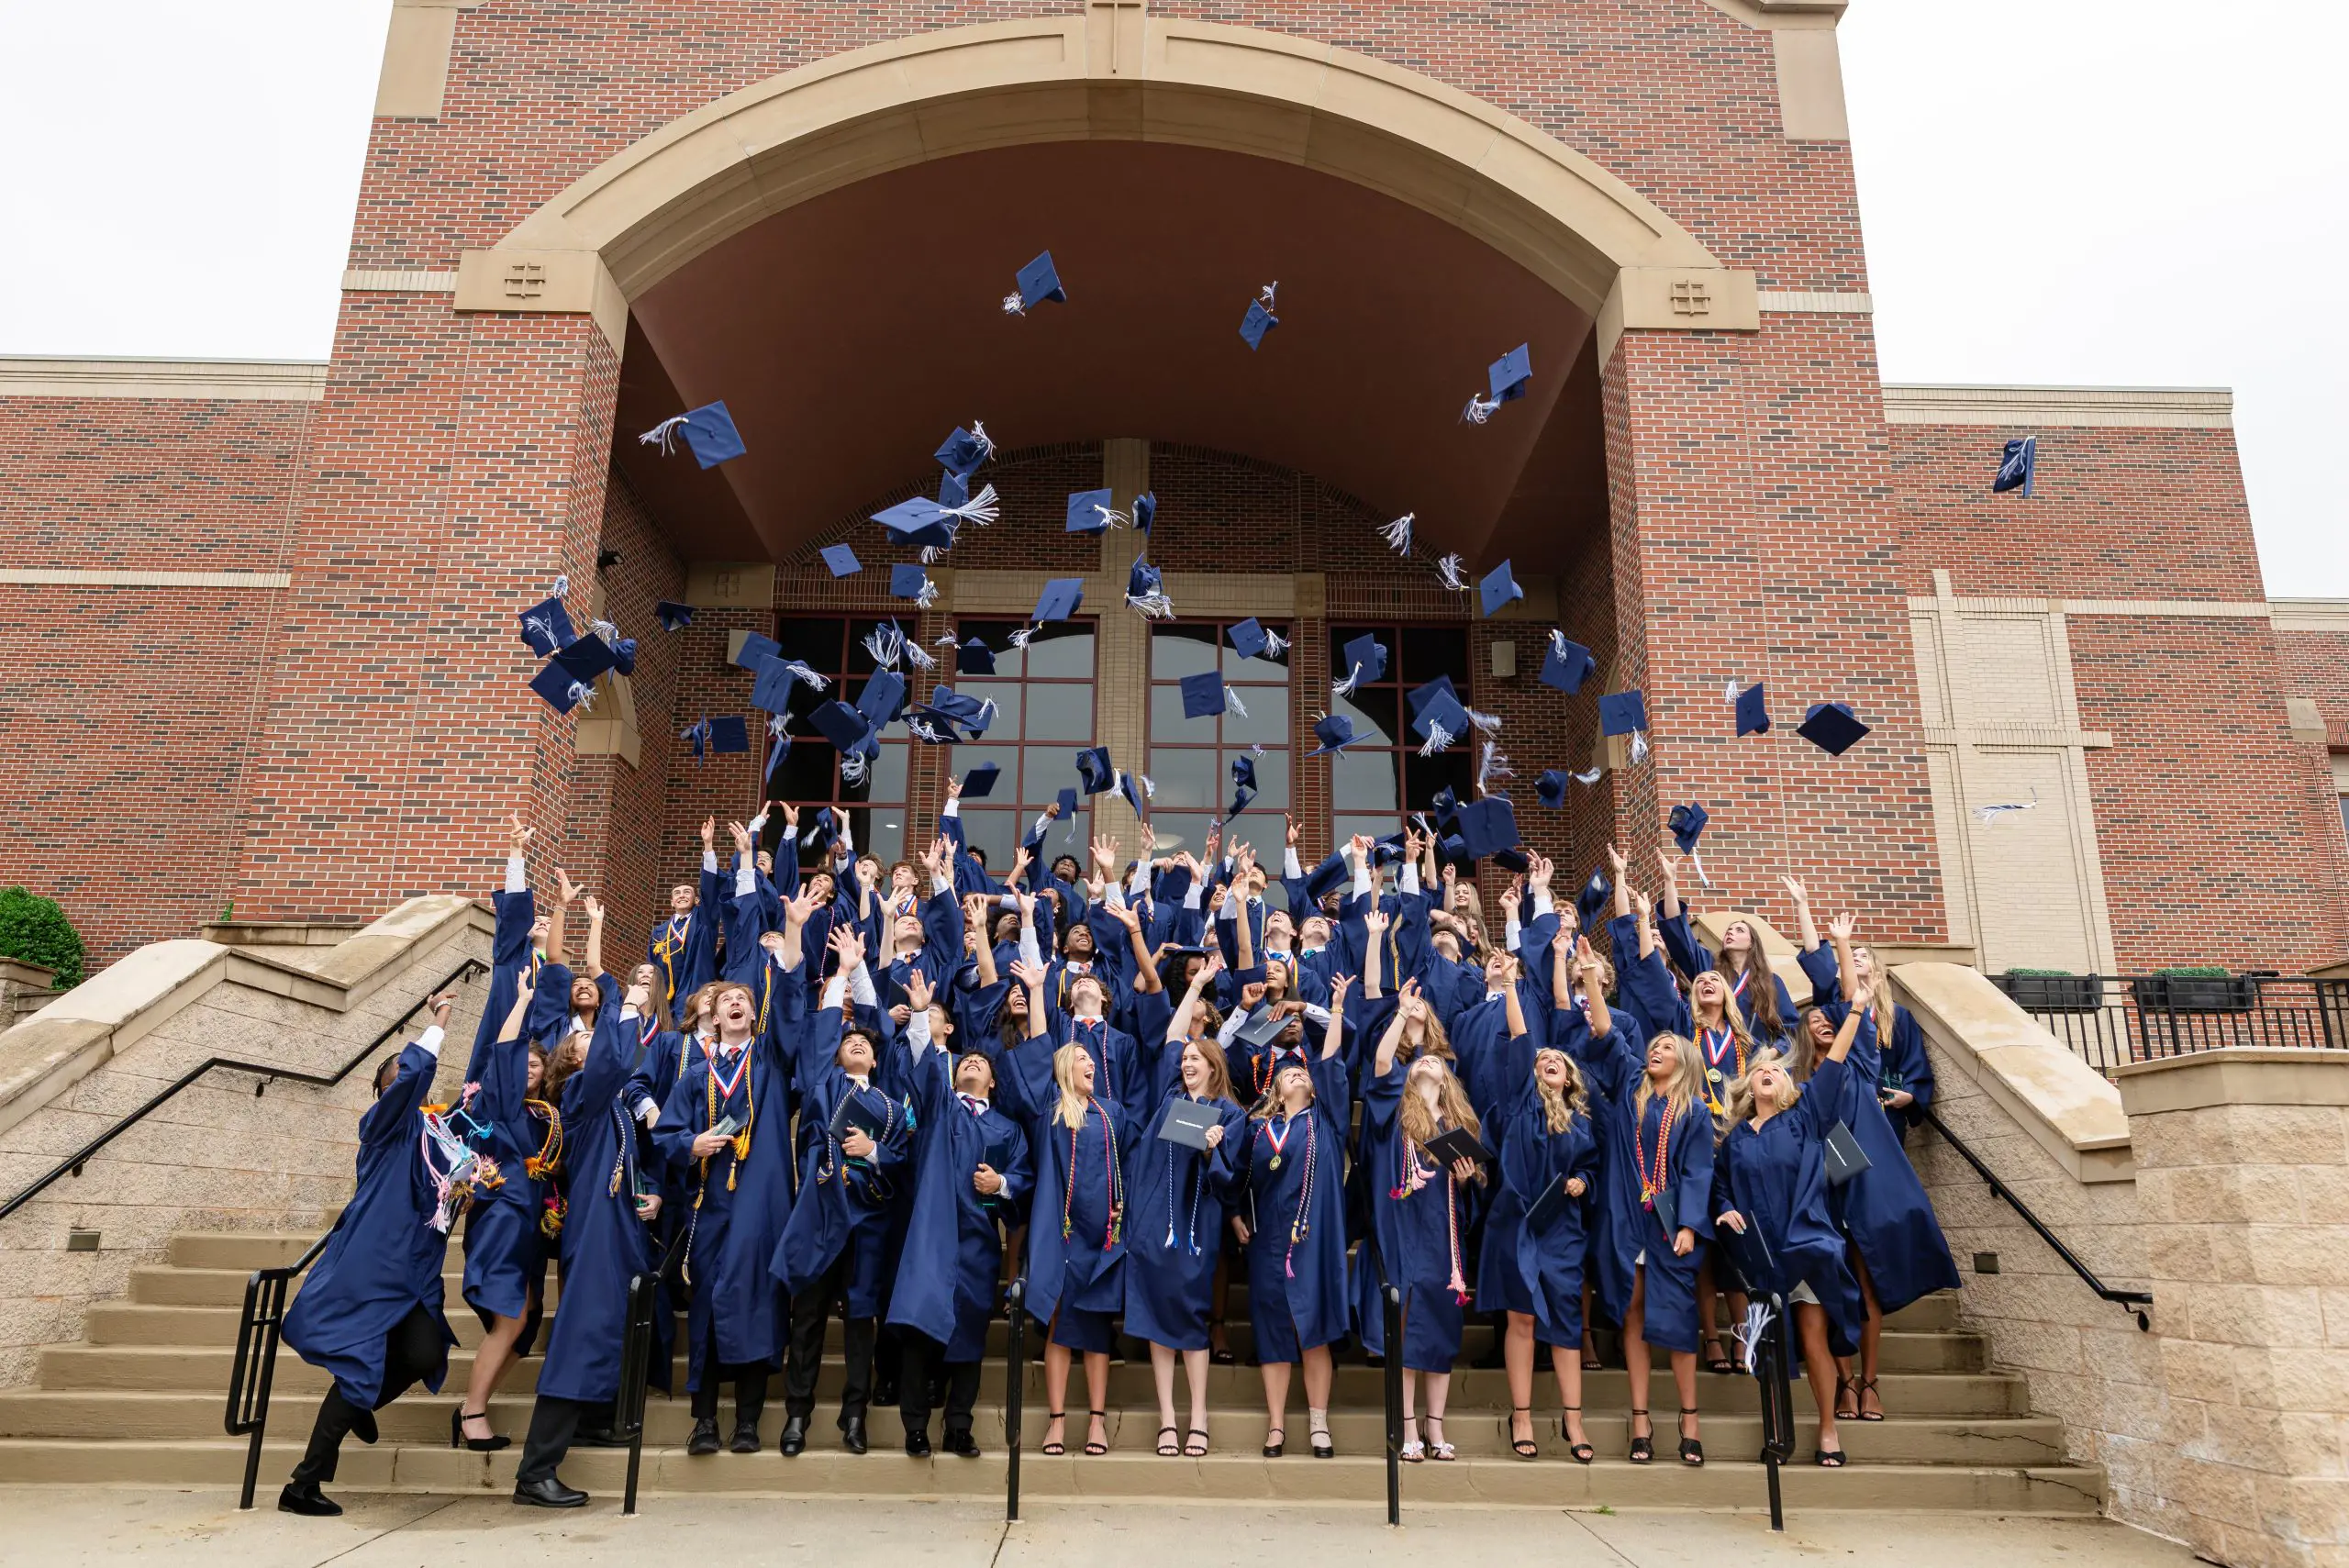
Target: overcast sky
2069	192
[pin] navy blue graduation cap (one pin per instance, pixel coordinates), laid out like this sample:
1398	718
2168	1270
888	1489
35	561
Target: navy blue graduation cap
1364	658
883	698
1251	640
1066	803
953	489
1497	589
1512	373
1487	826
1327	878
624	655
979	782
844	727
729	736
1093	769
1419	696
1441	721
1567	665
930	725
2017	467
1622	713
1244	772
910	582
1335	732
1137	789
824	834
1446	807
1039	280
1060	599
1091	511
562	690
1202	696
755	648
968	711
1145	509
1550	789
1592	899
1687	825
964	449
587	657
770	684
1831	727
841	560
708	430
1146	591
696	736
1512	859
672	616
546	626
1257	323
1753	711
1242	797
974	657
919	523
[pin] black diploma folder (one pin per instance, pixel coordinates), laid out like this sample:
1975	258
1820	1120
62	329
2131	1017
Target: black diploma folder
1458	1143
1845	1159
1187	1122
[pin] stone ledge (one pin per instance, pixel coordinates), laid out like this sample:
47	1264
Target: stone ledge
280	933
2053	1095
2236	1076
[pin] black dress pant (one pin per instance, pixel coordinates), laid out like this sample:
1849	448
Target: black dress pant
809	1309
925	1359
412	1349
553	1423
749	1381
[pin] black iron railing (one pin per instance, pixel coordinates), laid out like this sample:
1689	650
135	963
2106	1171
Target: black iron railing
1771	1357
2110	1020
2133	1302
255	1368
1391	1304
71	1165
1015	1387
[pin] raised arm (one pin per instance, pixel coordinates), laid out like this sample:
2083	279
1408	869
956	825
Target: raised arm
566	891
594	966
1804	923
1839	932
1373	953
1409	1004
1187	1010
1333	1038
1616	867
1668	894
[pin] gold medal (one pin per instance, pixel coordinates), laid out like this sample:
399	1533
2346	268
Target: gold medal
1275	1164
1712	1075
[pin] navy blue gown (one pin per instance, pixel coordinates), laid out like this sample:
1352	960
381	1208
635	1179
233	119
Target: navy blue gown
504	1257
1076	1250
845	1203
1776	1179
685	947
1540	1274
1635	1230
950	1273
1175	1202
1420	1213
604	1243
1296	1211
1769	1025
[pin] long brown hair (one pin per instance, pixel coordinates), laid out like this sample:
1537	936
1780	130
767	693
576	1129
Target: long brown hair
1732	1016
1763	985
1419	1122
1218	1070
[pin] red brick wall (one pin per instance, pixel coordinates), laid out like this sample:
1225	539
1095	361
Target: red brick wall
2316	665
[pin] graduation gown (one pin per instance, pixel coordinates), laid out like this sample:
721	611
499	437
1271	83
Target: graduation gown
1419	1214
1296	1219
1776	1178
1176	1199
1906	1066
685	947
1076	1250
1520	1269
950	1272
506	1249
384	1259
1631	1231
603	1243
842	1202
1679	939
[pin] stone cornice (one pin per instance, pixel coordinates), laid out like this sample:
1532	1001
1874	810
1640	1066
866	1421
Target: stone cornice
2170	407
268	380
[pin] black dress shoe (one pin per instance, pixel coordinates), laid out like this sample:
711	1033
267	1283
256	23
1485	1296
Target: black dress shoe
362	1426
746	1438
304	1497
794	1437
601	1438
852	1434
705	1438
917	1444
961	1444
551	1493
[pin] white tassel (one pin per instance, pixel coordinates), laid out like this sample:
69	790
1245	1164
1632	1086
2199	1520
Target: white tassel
987	446
1494	766
987	717
1729	693
916	654
1149	790
980	509
1986	814
1697	860
1011	305
1590	777
805	676
817	818
1439	738
1264	295
664	434
884	642
606	630
1274	643
1449	570
923	729
949	641
1155	605
931	552
1557	642
1340	689
1259	750
1480	408
1399	533
1019	639
562	589
1486	723
1232	700
582	697
853	768
1758	1320
542	627
1113	518
779	726
1638	747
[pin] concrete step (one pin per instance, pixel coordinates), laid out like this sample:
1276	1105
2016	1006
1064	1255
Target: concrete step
1238	1427
144	1323
204	1370
1226	1477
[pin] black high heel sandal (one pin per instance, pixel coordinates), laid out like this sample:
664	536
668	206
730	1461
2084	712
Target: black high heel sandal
1524	1447
1169	1449
1583	1452
1097	1448
1219	1355
1860	1392
1195	1444
1056	1450
1275	1440
457	1438
1719	1365
1642	1447
1692	1453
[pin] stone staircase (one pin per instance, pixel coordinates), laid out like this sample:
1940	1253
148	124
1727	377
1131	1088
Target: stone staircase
140	1402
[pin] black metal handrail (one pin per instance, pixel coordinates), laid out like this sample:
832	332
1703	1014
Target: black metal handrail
71	1165
2110	1020
255	1368
1391	1307
1770	1366
636	1365
2133	1302
1015	1386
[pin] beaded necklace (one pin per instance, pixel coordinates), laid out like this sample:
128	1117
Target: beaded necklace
1651	1174
1416	1174
834	1154
549	1154
1116	1181
1300	1225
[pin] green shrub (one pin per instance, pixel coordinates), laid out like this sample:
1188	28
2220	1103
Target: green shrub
35	931
2064	974
2194	971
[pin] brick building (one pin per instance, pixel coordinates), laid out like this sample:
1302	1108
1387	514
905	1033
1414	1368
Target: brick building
261	619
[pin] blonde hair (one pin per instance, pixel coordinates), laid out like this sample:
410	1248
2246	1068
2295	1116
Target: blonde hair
1074	1102
1686	1087
1732	1016
1560	1106
1418	1121
1742	1101
1268	1104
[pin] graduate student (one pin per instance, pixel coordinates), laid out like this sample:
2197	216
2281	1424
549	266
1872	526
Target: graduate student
1290	1215
683	947
1656	1184
605	1244
1077	1261
1175	1203
1761	998
972	1177
369	1314
1726	1050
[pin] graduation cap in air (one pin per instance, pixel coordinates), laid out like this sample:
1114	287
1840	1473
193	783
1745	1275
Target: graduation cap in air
729	736
755	648
1592	899
1146	591
778	746
1326	878
1419	696
1752	710
931	727
1687	825
562	690
1039	280
1508	378
883	698
1060	599
1487	826
2016	468
1624	713
1137	790
1441	721
1335	732
672	616
1567	664
1831	727
588	656
979	782
1250	639
1512	859
708	430
624	655
1243	786
1093	511
1445	804
546	626
974	657
953	489
969	712
1093	770
844	727
1257	323
1145	509
1364	658
1550	789
841	560
1497	589
1203	695
910	582
770	684
696	736
963	451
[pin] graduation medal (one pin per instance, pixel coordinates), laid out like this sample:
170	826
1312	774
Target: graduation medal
1278	1140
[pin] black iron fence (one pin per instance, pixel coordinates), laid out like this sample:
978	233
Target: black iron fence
2110	1020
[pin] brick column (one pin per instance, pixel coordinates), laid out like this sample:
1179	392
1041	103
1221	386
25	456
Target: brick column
457	466
1748	499
2242	1179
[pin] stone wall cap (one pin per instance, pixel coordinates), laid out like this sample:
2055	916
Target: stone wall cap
2234	1075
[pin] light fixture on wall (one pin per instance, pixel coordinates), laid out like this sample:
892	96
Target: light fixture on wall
1504	660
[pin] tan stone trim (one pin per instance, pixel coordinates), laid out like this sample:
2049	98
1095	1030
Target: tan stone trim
416	46
2180	609
609	728
1779	16
1810	85
1801	302
713	173
2237	1075
1669	299
567	283
2158	407
2310	615
399	283
2033	734
99	577
267	380
2306	719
